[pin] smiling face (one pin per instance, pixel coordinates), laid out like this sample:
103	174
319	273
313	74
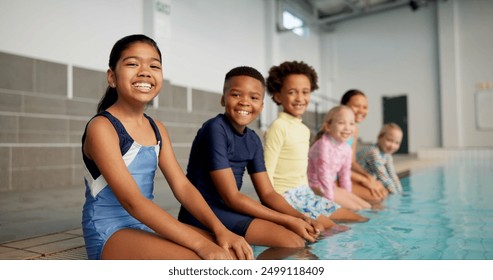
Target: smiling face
341	125
138	75
294	95
359	104
243	101
390	141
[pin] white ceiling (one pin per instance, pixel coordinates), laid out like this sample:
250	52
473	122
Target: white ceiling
327	12
332	7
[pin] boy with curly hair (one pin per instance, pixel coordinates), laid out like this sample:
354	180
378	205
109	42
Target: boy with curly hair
287	142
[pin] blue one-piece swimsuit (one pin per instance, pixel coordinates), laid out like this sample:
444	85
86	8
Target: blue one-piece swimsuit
103	214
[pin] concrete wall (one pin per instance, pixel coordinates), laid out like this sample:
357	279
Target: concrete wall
466	76
390	54
437	56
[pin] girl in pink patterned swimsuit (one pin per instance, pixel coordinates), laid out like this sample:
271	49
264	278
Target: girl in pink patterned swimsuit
329	160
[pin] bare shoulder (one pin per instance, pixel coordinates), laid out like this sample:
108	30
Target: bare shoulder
161	127
100	135
166	143
99	126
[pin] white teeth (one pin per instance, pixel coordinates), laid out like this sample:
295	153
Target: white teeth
143	85
244	113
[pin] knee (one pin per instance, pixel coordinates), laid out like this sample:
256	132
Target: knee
357	208
362	207
294	241
376	200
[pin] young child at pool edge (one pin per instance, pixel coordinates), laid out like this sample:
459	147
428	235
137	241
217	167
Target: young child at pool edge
364	184
223	148
287	142
330	157
377	158
122	148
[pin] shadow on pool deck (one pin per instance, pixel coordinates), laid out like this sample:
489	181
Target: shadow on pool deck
45	224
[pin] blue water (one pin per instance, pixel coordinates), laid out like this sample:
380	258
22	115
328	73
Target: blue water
445	213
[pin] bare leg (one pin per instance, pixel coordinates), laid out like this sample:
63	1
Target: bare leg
133	244
382	190
349	200
365	194
266	233
325	221
330	225
344	215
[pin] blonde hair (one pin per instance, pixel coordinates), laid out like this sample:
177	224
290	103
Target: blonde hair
328	118
388	127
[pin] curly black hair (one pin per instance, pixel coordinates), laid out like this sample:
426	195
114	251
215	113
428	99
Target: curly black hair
277	75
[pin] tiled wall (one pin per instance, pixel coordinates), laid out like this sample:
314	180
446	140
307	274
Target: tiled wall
41	128
32	75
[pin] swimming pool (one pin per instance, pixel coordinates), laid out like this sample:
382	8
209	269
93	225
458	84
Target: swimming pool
445	213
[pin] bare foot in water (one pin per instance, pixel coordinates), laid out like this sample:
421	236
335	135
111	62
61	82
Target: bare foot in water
327	223
377	206
334	230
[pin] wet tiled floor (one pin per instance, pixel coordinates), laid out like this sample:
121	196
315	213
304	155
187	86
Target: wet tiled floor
68	243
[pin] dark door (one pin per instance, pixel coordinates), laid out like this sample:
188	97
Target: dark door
395	110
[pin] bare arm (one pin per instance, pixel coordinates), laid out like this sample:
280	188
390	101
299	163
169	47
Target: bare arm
193	201
270	198
362	175
226	185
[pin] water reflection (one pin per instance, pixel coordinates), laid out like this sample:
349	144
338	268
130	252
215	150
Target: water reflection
444	213
286	253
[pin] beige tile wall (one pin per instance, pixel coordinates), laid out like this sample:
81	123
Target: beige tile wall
41	128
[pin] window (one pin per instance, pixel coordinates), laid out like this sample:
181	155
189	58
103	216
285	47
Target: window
293	23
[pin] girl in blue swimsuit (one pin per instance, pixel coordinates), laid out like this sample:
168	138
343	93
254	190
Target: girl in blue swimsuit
122	148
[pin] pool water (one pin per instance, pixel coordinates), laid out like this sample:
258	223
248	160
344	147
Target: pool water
445	213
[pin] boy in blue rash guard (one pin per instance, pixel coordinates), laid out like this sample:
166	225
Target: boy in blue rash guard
221	151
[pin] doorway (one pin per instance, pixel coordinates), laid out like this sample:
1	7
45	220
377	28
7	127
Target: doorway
395	110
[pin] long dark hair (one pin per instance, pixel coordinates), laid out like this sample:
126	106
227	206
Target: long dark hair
349	94
111	95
